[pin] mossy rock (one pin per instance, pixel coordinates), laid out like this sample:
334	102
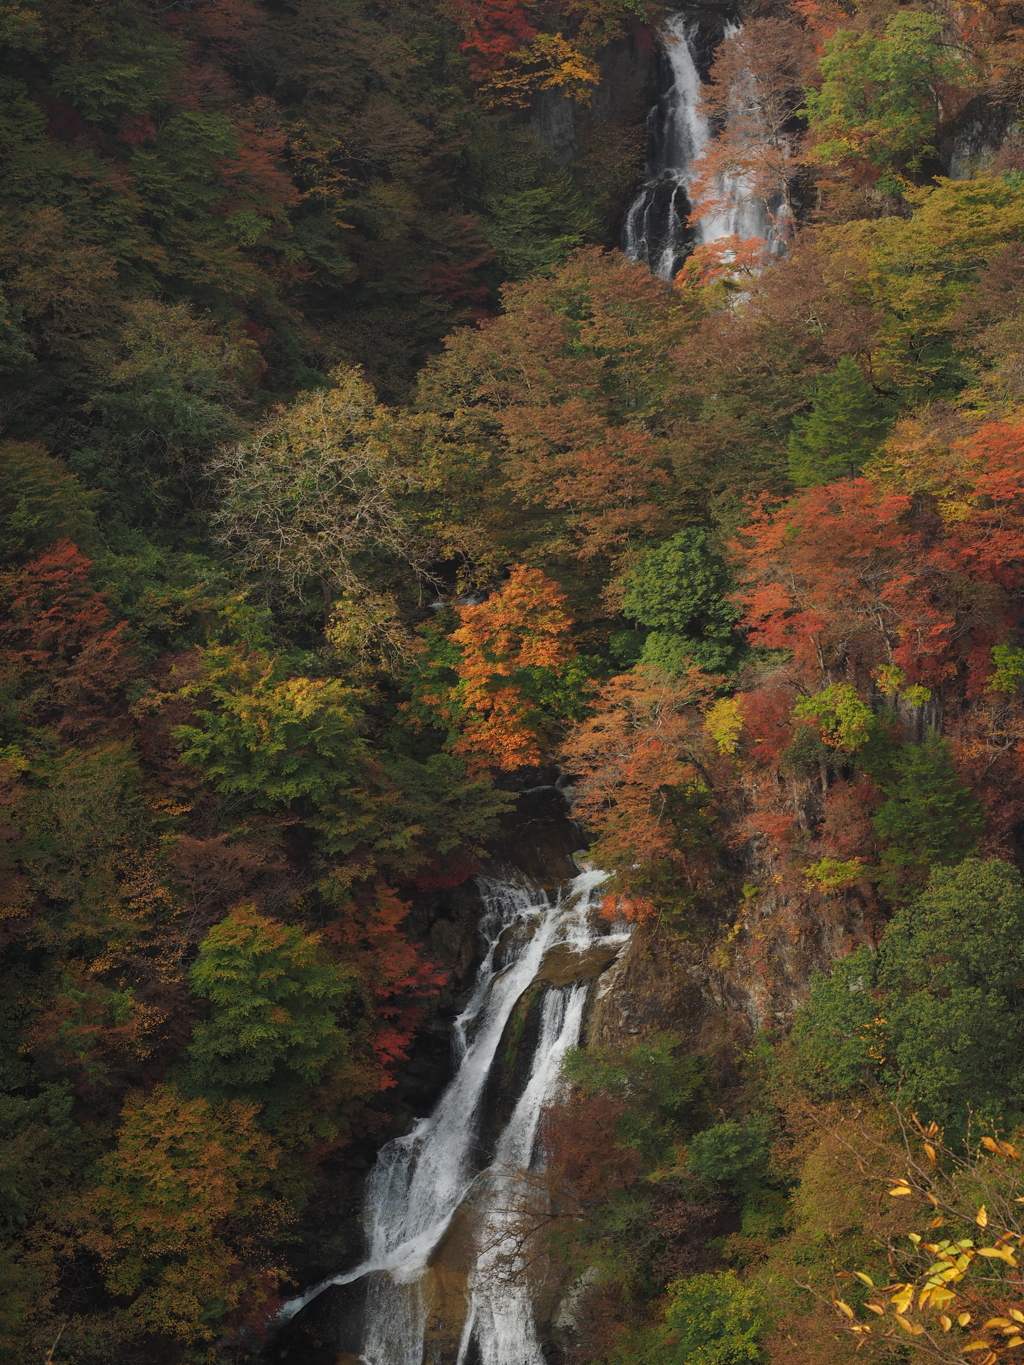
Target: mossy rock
563	964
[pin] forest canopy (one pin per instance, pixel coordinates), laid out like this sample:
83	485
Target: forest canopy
355	487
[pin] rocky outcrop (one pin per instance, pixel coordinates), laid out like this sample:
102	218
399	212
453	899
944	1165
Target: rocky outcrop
977	136
329	1332
717	984
603	142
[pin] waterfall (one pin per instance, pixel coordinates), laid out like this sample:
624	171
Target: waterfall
421	1181
655	229
500	1316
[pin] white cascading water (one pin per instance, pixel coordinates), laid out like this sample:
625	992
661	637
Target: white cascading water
655	229
500	1317
420	1180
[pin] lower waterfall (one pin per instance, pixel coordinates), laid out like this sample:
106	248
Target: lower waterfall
656	229
422	1181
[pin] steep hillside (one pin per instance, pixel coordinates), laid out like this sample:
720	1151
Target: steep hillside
361	505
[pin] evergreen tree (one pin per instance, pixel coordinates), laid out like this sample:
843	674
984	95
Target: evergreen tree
938	1017
844	426
929	816
681	590
273	993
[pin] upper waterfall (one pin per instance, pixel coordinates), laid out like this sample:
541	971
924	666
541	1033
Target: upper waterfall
656	228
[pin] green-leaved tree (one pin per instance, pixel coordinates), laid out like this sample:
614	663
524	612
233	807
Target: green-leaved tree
842	429
938	1016
680	590
273	993
881	97
709	1320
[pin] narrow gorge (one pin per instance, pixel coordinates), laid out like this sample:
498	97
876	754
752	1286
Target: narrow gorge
445	1279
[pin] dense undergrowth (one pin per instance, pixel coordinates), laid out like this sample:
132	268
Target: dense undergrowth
347	481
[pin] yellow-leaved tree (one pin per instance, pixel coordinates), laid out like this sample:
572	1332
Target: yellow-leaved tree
956	1293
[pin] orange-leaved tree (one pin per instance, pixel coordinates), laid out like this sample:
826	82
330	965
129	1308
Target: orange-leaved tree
507	676
608	479
820	575
644	789
182	1215
551	411
522	627
550	62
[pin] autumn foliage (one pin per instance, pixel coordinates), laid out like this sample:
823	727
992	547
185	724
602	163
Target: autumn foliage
756	84
640	763
492	31
155	906
852	578
70	659
507	654
181	1213
359	502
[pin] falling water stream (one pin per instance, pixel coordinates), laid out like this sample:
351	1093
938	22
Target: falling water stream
656	229
423	1180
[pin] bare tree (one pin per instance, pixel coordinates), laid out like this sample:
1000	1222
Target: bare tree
316	487
757	83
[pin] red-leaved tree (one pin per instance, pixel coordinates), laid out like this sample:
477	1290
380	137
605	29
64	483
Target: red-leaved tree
69	659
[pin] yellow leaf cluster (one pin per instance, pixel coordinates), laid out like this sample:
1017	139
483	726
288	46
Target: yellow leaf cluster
549	62
724	724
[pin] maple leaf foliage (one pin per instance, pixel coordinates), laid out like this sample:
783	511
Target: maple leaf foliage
849	577
369	938
879	585
58	636
567	458
820	573
644	739
522	627
491	32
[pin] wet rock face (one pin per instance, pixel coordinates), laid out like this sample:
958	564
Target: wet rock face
511	943
445	1288
628	79
554	122
511	1069
539	839
565	964
327	1331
